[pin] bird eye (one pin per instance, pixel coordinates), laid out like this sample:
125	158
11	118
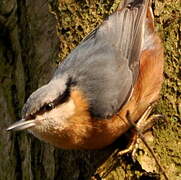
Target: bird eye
49	106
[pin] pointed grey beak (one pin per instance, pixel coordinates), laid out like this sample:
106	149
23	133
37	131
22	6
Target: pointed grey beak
21	125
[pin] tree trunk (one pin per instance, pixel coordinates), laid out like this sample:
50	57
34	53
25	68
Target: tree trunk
29	48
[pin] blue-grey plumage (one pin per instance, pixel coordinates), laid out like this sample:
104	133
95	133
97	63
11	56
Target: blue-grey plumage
106	63
107	74
104	66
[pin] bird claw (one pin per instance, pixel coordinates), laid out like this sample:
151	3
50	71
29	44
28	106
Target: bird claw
130	148
143	125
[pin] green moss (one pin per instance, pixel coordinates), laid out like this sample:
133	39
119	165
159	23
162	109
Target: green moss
167	133
167	22
168	147
78	18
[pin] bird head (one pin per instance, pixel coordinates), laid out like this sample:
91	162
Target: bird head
49	106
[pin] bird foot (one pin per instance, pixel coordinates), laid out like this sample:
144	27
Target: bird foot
143	125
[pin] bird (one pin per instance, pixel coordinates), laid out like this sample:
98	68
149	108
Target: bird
116	69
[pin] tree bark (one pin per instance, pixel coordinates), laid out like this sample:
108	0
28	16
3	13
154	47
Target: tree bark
32	36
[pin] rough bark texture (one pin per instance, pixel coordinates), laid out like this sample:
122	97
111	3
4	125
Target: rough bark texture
29	48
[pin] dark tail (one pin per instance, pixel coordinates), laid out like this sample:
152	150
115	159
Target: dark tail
133	3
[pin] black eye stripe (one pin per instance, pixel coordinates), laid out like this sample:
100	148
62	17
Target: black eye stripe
59	100
64	97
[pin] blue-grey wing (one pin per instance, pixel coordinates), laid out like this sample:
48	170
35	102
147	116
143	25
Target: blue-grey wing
106	63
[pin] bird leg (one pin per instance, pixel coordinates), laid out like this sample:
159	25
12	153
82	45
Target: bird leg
139	129
143	125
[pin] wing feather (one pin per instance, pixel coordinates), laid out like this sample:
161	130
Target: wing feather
124	30
105	65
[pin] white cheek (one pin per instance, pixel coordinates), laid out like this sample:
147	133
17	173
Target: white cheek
54	119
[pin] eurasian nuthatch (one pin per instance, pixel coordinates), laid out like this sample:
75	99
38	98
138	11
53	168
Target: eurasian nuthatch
117	68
